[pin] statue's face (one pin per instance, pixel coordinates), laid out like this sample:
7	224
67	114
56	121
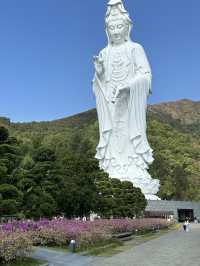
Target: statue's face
117	30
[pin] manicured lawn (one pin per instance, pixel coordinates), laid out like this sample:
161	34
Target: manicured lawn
25	262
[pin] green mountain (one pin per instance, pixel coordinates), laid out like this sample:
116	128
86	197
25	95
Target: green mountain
183	114
185	111
173	131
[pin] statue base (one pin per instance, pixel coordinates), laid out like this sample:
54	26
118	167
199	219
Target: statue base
143	180
152	197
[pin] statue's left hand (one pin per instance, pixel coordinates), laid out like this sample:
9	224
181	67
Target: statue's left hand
122	89
142	81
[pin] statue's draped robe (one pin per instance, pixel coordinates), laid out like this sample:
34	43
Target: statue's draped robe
139	153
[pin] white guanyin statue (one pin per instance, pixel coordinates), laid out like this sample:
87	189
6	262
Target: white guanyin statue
122	84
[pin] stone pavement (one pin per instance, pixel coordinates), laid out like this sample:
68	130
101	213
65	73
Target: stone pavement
176	248
57	258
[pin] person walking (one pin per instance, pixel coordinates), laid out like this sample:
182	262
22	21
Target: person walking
185	226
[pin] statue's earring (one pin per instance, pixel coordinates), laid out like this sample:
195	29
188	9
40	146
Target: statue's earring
126	39
126	35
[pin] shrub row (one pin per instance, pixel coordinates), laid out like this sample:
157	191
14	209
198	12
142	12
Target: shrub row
16	238
13	245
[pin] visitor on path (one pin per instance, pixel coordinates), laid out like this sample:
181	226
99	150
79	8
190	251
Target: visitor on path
186	226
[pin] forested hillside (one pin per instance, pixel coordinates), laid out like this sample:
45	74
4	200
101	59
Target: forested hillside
50	165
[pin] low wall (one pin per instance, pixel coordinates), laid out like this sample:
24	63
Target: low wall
173	206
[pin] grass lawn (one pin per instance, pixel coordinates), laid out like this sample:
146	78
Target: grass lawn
25	262
61	249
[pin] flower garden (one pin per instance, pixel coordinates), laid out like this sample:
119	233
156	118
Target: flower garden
18	237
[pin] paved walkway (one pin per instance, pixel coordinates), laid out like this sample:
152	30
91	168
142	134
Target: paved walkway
56	258
176	248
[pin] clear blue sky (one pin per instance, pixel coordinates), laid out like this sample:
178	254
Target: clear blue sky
46	49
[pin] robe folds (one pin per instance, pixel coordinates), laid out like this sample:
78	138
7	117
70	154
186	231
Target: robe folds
139	88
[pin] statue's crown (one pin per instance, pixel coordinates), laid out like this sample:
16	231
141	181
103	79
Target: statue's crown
116	9
114	2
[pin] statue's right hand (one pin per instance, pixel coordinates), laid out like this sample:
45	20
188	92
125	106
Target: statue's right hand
98	64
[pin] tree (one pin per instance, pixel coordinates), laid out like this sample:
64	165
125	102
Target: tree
3	134
11	199
119	198
78	195
181	182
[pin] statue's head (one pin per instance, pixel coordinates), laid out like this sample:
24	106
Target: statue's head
118	23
